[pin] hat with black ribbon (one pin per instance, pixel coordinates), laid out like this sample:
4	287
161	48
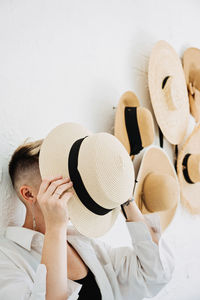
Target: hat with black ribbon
188	169
100	169
133	124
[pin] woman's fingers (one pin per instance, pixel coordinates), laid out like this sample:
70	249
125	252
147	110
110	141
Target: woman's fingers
62	189
54	185
45	184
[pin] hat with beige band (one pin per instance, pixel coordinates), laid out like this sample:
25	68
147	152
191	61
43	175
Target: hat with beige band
191	65
188	169
133	124
168	92
157	188
100	169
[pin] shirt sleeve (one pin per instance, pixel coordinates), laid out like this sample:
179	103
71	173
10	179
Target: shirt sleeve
16	284
146	267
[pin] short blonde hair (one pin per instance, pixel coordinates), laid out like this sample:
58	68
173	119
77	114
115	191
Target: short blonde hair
25	157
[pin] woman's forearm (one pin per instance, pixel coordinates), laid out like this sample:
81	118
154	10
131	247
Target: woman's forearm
134	215
54	256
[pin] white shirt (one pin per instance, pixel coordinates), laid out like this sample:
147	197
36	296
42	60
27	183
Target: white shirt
128	273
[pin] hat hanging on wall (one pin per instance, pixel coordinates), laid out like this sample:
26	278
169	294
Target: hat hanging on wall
188	169
133	124
191	65
101	171
168	92
157	189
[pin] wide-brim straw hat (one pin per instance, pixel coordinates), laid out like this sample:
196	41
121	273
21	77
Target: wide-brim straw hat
100	169
157	189
133	124
191	65
188	169
168	92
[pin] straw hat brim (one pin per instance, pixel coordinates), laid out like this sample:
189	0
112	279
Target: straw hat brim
120	131
154	160
86	222
190	193
164	62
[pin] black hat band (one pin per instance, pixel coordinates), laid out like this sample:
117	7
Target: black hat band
78	184
185	169
133	130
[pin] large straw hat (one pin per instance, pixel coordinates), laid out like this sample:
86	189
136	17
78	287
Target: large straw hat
188	169
157	188
100	169
168	92
191	65
133	124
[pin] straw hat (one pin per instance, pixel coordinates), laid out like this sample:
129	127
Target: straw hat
168	92
100	169
188	169
157	188
191	65
133	124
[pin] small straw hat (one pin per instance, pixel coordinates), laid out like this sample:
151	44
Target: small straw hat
133	124
168	92
157	188
191	65
101	171
188	169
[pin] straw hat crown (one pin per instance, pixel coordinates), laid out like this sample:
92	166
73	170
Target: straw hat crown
106	169
191	65
159	186
193	167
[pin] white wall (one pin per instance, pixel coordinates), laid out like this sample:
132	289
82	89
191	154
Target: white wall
70	61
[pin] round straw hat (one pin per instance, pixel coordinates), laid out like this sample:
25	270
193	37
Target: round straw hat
133	124
191	65
168	92
188	169
157	188
100	169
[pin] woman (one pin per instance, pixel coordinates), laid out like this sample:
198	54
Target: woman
47	259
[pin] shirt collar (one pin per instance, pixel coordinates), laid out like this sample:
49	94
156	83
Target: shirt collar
22	236
27	238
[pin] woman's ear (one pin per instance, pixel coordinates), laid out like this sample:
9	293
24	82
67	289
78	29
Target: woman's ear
27	193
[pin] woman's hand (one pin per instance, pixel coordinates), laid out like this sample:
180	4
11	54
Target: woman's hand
52	197
134	215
